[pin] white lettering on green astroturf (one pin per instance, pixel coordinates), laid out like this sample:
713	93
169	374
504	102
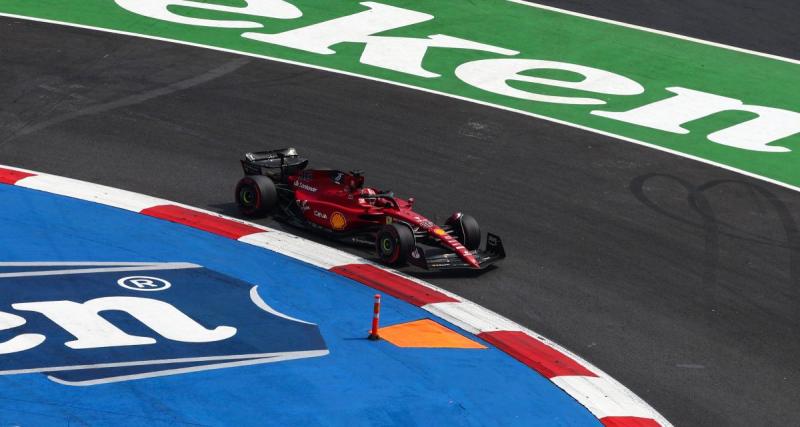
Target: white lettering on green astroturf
159	9
771	124
726	107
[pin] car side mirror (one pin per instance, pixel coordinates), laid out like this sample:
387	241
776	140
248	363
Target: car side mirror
411	201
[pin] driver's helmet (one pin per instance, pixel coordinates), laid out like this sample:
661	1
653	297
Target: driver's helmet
367	196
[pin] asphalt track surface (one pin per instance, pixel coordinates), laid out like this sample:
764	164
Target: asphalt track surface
762	26
679	279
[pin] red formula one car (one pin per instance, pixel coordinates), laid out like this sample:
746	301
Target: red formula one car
337	204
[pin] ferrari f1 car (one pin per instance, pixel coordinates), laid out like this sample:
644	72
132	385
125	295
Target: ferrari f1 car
337	204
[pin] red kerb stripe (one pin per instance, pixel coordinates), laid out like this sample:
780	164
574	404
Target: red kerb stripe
203	221
536	354
10	176
392	284
629	422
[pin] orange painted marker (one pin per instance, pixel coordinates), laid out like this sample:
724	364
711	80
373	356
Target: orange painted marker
376	314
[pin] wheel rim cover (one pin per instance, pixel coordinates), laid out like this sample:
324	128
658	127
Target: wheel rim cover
247	195
386	245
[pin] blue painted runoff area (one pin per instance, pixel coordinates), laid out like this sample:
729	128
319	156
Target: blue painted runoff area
79	348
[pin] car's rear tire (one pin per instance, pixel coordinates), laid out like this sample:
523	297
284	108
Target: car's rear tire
466	230
394	243
256	195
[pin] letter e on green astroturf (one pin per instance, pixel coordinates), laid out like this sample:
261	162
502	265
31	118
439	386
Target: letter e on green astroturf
668	115
492	75
159	9
402	54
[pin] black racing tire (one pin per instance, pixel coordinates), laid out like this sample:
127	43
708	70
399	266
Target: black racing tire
394	244
256	195
466	230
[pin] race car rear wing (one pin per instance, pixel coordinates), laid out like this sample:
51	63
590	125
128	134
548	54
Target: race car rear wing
276	164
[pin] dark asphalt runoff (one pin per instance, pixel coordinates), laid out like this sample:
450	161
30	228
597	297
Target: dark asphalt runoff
679	279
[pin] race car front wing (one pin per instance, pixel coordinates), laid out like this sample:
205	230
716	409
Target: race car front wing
435	258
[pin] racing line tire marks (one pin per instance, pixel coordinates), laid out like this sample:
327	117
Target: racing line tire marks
134	99
605	398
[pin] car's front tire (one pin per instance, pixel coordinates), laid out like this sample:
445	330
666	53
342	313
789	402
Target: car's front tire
256	195
466	230
394	243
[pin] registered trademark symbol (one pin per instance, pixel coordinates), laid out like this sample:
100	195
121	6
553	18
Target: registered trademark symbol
143	283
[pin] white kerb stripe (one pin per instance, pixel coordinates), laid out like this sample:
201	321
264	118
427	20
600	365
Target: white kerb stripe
604	397
302	249
92	192
471	317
